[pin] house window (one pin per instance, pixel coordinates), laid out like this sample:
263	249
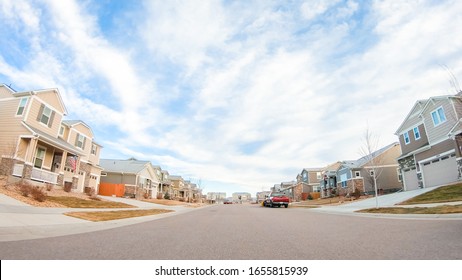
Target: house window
80	141
371	172
93	149
357	173
400	176
61	131
407	140
416	133
39	157
22	105
438	116
318	175
45	115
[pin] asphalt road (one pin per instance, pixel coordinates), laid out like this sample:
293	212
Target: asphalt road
240	232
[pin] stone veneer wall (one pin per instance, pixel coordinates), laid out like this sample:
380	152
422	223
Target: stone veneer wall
352	185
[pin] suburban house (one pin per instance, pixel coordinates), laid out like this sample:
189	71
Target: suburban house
242	197
36	143
138	178
178	184
328	183
431	142
359	174
307	182
216	197
261	196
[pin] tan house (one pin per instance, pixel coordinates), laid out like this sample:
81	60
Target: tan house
139	178
36	143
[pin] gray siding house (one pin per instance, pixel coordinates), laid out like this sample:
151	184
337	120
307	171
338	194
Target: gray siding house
431	139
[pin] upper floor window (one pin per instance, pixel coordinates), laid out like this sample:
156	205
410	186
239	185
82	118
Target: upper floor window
22	106
416	133
45	115
93	149
80	141
318	175
357	173
61	130
438	116
407	140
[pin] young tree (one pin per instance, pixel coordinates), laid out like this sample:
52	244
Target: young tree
368	150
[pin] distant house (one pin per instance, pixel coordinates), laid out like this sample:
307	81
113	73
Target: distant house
431	142
216	197
37	143
358	174
242	197
261	196
140	178
328	182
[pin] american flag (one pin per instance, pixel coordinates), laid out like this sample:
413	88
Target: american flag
72	162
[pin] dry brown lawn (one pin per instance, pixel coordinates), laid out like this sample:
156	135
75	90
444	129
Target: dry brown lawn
99	216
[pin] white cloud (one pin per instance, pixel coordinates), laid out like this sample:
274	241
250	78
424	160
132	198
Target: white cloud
250	93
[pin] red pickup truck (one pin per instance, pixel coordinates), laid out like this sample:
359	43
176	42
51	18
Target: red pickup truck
276	199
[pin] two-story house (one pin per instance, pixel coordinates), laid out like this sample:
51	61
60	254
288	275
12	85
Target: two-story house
359	174
36	143
140	178
430	142
307	182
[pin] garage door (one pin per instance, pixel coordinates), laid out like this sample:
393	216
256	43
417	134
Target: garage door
410	179
440	171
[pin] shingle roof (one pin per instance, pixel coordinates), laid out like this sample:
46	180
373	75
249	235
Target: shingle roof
126	166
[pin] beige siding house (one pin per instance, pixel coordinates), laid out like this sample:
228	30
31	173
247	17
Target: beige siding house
37	144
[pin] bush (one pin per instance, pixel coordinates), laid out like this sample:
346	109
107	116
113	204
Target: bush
38	194
146	195
167	196
49	187
357	193
91	192
67	187
310	197
24	188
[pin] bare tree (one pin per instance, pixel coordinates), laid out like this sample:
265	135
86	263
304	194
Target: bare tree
368	150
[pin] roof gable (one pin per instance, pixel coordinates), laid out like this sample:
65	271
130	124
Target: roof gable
415	112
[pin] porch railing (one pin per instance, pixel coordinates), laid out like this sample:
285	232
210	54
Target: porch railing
45	176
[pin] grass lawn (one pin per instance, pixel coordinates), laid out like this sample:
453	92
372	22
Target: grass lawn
99	216
443	209
74	202
442	194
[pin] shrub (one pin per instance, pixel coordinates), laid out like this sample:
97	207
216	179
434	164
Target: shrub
24	188
38	194
49	187
67	187
357	193
146	195
310	197
167	196
92	194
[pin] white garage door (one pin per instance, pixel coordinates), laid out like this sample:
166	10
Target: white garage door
440	171
410	179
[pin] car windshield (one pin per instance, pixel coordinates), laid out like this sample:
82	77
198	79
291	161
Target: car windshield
277	194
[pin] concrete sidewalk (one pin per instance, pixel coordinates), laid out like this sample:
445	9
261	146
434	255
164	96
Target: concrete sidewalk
19	221
390	200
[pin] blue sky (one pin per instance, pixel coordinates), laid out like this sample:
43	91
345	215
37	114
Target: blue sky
240	95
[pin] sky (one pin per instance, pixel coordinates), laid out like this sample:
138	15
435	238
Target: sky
235	96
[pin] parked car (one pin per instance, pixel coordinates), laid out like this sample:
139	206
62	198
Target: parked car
227	202
276	199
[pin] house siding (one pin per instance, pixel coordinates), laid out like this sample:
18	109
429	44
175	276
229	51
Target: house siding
32	119
440	148
10	127
441	131
413	144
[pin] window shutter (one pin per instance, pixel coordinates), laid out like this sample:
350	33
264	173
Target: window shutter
50	121
76	140
83	144
39	116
